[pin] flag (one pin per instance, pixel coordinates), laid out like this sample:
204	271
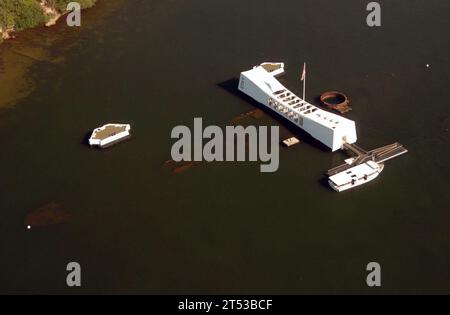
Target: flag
304	72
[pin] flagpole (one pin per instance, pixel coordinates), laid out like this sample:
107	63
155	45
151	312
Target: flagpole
304	80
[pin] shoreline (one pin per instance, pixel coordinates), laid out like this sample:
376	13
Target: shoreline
52	16
41	44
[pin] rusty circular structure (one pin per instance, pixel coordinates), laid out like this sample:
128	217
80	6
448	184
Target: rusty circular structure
341	105
325	97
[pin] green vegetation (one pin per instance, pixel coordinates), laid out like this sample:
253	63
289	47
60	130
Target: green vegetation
61	5
20	14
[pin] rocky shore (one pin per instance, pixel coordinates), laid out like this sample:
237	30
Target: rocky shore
52	13
6	33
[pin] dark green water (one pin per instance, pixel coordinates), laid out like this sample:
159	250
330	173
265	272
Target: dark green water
226	227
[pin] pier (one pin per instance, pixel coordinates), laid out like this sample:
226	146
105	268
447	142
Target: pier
378	155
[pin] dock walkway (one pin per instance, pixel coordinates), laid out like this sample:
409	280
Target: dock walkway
378	155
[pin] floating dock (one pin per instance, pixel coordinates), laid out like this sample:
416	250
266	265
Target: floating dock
378	156
291	141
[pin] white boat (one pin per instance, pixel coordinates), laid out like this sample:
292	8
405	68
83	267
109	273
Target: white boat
355	176
109	134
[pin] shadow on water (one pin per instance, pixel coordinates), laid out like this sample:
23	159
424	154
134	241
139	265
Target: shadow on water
318	101
231	86
323	181
85	139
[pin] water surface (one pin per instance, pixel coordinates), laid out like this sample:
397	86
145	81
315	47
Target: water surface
223	227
